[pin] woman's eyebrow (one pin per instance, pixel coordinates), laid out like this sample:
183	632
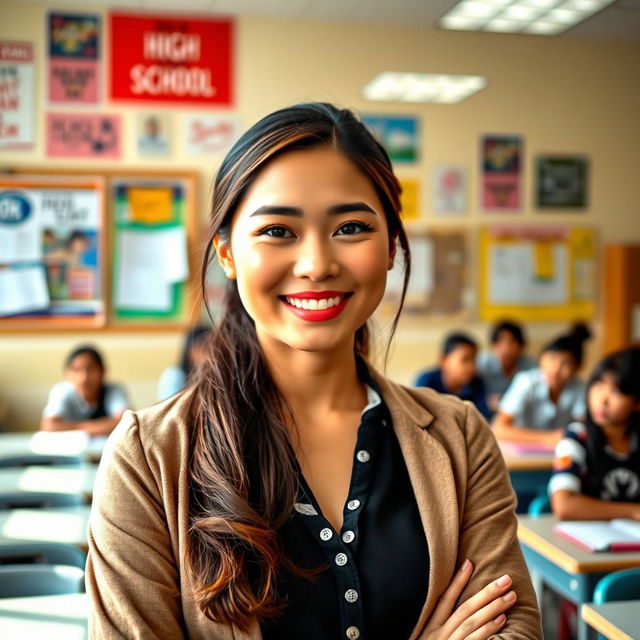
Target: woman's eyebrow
281	210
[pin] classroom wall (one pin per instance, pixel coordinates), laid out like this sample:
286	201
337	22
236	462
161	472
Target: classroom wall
563	95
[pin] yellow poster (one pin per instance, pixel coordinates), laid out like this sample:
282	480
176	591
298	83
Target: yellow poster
544	261
410	199
150	205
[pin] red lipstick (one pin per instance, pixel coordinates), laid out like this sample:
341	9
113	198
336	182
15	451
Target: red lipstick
317	315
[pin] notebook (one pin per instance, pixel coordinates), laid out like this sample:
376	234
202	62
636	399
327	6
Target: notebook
596	535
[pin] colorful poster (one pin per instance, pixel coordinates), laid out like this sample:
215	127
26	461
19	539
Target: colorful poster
17	102
74	58
449	190
501	187
55	227
171	59
410	199
75	135
561	182
153	134
397	134
210	135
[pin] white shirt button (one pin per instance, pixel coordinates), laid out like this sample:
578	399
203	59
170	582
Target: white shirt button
351	595
341	559
348	536
352	505
353	633
326	534
363	456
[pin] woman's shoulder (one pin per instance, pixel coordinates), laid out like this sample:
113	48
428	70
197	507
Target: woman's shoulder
159	433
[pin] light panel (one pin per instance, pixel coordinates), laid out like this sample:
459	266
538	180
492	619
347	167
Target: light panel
440	88
540	17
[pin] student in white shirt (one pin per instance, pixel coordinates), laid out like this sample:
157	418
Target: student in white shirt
175	378
498	366
84	400
542	402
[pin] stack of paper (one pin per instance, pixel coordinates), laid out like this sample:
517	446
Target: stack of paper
596	535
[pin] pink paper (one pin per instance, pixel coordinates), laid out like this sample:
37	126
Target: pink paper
75	135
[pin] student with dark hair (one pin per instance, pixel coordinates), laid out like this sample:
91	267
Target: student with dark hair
597	465
498	366
174	379
292	491
542	402
456	374
84	400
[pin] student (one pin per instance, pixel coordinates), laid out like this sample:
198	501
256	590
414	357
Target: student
498	366
174	379
291	492
597	466
542	402
456	374
84	400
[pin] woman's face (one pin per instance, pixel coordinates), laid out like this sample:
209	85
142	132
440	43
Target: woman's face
310	250
86	375
608	406
558	367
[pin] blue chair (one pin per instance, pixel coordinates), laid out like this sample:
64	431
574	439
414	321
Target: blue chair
619	585
42	553
39	500
33	459
25	580
539	505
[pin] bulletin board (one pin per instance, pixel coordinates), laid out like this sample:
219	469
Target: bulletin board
439	282
52	252
145	258
537	274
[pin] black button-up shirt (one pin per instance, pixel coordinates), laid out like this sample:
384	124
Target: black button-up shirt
376	568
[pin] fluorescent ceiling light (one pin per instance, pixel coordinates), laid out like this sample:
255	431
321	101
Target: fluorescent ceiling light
541	17
391	86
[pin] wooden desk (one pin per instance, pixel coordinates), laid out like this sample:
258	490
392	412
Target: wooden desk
70	443
615	620
53	479
565	567
61	524
529	471
62	616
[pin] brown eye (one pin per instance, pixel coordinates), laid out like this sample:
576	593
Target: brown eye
352	228
276	231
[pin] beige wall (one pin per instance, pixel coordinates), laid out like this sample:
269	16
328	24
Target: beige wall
561	94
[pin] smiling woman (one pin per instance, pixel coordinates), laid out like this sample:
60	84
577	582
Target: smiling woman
292	491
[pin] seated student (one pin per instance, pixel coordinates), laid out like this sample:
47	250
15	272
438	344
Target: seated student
540	403
84	401
457	372
597	467
498	366
174	378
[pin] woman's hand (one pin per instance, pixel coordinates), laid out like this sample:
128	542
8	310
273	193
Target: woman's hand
479	617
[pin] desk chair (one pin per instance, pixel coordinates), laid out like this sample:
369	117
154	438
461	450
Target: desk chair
619	585
538	506
32	459
42	553
37	500
25	580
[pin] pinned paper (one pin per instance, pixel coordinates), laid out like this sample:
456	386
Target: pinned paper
23	290
409	199
151	205
543	261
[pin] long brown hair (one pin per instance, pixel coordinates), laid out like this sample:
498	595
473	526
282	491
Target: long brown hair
242	466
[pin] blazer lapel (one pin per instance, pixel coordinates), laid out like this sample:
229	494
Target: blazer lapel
431	476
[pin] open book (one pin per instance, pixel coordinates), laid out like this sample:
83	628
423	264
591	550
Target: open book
596	535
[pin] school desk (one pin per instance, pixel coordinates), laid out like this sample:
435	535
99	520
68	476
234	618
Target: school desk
529	470
57	524
614	620
63	616
565	567
71	443
51	479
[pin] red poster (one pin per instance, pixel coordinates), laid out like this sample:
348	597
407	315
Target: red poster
77	135
171	59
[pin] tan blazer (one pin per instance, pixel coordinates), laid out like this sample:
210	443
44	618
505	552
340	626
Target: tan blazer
138	531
